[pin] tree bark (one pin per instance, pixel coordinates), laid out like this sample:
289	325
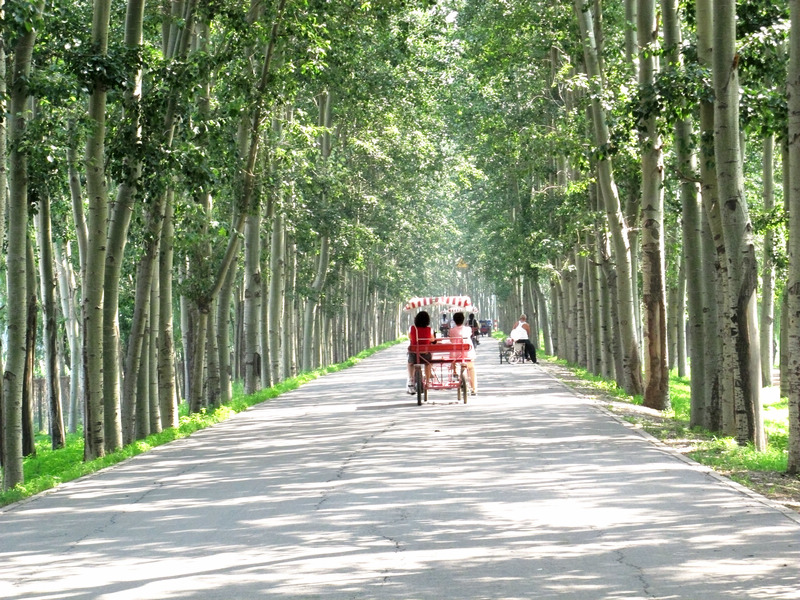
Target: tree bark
793	283
94	275
3	207
768	268
47	279
152	350
69	303
323	260
544	317
167	392
32	310
708	407
737	230
252	301
16	260
276	293
656	392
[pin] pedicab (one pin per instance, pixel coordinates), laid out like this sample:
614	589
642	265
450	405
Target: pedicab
446	357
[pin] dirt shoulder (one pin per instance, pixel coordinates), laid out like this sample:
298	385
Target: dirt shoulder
776	486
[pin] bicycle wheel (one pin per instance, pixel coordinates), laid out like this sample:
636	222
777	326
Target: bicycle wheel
418	385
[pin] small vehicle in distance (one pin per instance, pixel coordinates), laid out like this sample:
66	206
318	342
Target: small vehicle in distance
486	326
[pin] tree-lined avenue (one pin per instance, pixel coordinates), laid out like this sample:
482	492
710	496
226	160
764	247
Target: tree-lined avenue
344	488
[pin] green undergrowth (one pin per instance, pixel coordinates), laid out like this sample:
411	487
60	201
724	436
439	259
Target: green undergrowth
716	451
50	468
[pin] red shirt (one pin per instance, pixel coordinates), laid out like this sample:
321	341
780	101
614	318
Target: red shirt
420	335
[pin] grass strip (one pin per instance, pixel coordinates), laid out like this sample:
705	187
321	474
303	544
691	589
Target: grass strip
719	452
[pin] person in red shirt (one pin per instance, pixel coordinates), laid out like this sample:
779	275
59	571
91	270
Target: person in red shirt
420	333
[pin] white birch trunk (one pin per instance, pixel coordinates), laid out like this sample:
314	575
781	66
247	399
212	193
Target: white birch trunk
277	297
47	283
656	392
16	264
768	268
67	294
793	283
252	301
167	384
152	350
737	230
94	275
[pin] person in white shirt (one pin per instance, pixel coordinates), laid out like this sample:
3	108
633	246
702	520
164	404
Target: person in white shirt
461	331
522	332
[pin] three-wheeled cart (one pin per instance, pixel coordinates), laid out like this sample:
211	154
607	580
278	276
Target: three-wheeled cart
442	363
447	359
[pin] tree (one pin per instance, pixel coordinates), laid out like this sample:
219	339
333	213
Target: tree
616	220
737	231
94	274
23	39
793	284
47	279
656	392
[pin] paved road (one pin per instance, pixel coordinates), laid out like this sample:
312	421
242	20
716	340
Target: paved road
345	489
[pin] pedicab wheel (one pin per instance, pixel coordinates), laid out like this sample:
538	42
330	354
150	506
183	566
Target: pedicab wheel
418	385
462	386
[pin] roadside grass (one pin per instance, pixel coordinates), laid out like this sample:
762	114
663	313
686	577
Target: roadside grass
50	468
718	452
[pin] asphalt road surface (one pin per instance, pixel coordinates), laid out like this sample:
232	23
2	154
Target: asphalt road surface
346	489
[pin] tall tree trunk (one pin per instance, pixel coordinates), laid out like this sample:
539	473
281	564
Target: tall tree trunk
680	310
263	325
141	413
632	375
212	357
3	207
152	349
581	339
555	303
323	260
16	260
656	392
167	392
32	310
768	268
288	340
737	230
783	343
137	339
716	352
544	317
119	411
793	283
67	292
276	293
94	275
604	309
47	279
223	322
252	301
